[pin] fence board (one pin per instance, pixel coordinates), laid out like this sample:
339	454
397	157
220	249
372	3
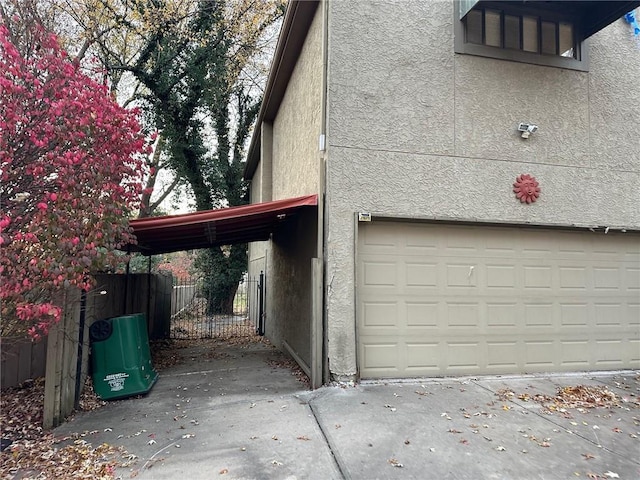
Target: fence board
181	297
10	364
38	359
22	359
56	356
62	351
117	295
24	366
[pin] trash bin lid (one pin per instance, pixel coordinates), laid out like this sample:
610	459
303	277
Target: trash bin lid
100	330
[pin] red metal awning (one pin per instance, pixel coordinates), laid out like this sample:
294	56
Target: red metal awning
211	228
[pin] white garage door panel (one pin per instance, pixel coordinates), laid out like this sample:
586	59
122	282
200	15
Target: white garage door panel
443	300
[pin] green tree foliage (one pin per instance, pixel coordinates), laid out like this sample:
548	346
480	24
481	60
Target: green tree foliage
195	68
197	89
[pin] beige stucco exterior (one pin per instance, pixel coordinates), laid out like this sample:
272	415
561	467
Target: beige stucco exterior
290	167
296	128
416	131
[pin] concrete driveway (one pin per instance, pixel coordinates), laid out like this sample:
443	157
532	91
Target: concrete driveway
237	412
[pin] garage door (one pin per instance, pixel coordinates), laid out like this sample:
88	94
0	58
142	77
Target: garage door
438	299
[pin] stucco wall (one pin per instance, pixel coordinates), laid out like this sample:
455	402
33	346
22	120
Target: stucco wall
289	284
292	166
418	131
255	188
257	250
296	128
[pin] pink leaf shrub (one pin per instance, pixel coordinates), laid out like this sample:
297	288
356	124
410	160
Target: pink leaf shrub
71	163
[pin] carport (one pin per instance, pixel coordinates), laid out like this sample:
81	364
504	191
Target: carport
243	224
211	228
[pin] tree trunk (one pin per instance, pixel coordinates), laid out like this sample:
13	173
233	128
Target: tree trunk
221	302
225	267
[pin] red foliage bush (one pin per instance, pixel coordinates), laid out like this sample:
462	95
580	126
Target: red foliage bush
71	170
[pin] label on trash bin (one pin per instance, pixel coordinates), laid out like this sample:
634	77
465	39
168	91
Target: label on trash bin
116	381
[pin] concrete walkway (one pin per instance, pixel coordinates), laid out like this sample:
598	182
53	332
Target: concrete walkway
235	413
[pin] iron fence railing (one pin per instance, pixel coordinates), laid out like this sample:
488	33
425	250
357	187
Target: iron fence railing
190	318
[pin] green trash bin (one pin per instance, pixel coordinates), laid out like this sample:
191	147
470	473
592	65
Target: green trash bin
120	357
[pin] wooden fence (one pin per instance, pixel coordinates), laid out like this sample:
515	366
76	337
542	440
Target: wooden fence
61	377
22	360
116	295
182	296
64	356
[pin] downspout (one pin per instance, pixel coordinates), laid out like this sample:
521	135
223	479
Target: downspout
322	207
325	62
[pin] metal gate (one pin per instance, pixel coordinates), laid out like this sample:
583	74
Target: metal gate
189	317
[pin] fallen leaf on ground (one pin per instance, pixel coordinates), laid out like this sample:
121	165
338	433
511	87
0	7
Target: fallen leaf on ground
580	397
288	363
505	394
36	453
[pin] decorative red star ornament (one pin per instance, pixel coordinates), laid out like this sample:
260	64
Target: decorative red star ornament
526	188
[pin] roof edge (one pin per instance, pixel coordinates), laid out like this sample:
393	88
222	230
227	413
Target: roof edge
295	27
